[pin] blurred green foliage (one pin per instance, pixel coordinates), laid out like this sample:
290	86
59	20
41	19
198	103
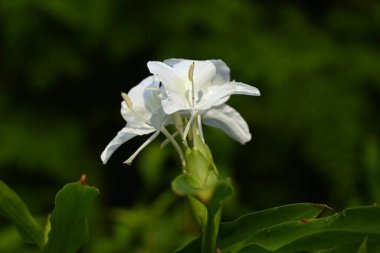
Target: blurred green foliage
315	128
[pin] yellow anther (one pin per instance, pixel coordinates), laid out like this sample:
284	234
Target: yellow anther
127	100
191	72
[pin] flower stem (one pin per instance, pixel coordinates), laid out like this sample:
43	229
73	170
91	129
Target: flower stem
210	231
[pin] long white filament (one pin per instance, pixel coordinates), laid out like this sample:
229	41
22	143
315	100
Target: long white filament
146	143
175	145
166	141
187	128
200	128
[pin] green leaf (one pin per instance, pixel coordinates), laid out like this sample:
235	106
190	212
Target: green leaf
295	228
348	227
69	230
363	247
209	214
191	247
370	244
235	233
13	208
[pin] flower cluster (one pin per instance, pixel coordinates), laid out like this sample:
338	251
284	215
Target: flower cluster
184	93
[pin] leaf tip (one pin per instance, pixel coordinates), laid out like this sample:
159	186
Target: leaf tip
324	209
83	179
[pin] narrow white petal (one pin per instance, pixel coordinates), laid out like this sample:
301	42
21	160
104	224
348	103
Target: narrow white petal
146	143
230	121
176	87
218	93
123	136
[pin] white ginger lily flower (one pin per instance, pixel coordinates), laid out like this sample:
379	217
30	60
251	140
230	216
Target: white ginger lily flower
143	112
201	88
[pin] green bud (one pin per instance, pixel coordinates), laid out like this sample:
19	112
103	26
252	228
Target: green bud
200	167
197	165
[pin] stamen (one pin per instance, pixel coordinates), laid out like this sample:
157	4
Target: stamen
129	104
146	143
191	72
200	128
187	128
166	141
191	75
127	100
178	122
175	145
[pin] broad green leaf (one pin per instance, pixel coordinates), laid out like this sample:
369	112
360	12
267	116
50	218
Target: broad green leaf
69	230
350	226
191	247
348	247
371	244
238	231
13	208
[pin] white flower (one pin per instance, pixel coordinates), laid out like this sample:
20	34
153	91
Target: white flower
200	88
142	110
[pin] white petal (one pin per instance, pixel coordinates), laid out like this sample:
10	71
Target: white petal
217	94
222	70
204	74
173	61
122	136
145	99
175	87
230	121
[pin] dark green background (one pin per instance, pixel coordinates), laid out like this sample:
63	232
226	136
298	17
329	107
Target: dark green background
315	128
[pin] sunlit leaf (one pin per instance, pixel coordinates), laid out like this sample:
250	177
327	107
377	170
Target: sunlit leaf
69	230
242	228
348	227
13	208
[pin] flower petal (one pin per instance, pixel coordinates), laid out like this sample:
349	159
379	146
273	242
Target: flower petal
230	121
175	87
217	94
204	74
124	135
222	70
145	100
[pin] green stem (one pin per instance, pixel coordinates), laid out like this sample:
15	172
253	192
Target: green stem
210	231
